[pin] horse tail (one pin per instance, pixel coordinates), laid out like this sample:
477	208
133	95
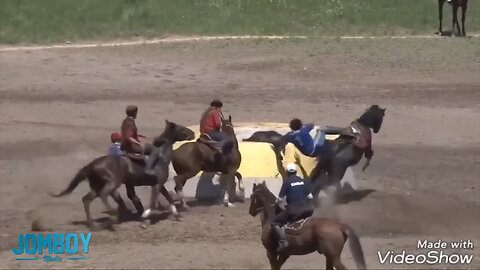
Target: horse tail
355	246
79	177
239	176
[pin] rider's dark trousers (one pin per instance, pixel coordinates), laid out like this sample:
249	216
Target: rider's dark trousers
295	211
224	141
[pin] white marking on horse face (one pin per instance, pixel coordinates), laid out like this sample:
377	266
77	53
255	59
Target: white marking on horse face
146	213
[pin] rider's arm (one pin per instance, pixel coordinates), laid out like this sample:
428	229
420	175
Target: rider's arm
217	121
132	140
308	186
308	128
283	191
129	133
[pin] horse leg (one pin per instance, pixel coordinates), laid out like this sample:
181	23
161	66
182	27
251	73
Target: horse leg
110	209
110	190
122	208
180	181
230	190
272	258
281	260
87	200
173	208
134	198
241	187
153	200
440	15
338	170
339	265
329	262
455	20
464	13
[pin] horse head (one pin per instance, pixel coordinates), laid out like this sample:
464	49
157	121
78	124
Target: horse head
373	117
261	197
227	126
174	132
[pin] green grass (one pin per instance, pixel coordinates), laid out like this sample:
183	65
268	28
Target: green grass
49	21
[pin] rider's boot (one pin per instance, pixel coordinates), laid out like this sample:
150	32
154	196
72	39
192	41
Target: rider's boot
280	234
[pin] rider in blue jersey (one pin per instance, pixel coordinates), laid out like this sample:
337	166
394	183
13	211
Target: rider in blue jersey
300	137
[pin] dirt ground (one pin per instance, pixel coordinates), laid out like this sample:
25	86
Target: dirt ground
58	108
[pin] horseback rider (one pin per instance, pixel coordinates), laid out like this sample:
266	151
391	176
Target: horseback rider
301	138
115	148
211	124
298	195
130	142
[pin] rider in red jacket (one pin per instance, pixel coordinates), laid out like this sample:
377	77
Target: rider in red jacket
130	142
211	124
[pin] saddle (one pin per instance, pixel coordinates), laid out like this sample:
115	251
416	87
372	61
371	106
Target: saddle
350	133
208	141
342	131
296	227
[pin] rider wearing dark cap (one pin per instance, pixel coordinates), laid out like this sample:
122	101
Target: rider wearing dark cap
130	142
297	192
211	124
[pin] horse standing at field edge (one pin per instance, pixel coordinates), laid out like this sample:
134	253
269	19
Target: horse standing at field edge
463	4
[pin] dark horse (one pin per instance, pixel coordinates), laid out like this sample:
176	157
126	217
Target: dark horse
354	142
323	235
192	157
463	4
105	174
345	151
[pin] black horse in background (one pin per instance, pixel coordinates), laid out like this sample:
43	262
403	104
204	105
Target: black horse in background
353	142
463	4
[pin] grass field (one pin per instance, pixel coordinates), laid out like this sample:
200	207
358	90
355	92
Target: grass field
50	21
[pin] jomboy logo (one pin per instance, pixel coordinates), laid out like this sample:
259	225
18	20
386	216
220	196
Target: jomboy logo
53	244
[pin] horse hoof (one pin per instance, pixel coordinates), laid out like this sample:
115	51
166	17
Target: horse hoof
229	204
146	213
145	224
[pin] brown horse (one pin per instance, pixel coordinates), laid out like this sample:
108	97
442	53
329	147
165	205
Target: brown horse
463	4
323	235
192	157
105	174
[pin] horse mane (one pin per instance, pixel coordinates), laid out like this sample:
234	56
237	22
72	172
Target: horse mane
163	137
267	194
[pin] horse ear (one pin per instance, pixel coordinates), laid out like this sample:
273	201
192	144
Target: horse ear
230	118
263	183
384	109
254	185
166	121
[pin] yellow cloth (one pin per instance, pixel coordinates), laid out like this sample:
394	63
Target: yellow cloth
293	155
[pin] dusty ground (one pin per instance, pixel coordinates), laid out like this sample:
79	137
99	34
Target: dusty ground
59	107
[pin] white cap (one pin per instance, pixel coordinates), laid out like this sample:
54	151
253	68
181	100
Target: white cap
292	167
